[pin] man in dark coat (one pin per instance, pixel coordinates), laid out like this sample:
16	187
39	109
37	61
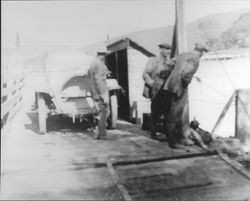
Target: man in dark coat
98	75
178	120
156	72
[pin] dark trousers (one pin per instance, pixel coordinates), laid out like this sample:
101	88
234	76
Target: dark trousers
178	119
160	105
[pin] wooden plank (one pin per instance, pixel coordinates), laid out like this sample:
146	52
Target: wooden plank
11	102
182	179
17	105
223	113
4	99
155	158
9	88
4	89
4	92
6	106
235	165
19	85
115	177
21	79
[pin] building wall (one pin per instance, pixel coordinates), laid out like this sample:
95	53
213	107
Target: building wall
136	65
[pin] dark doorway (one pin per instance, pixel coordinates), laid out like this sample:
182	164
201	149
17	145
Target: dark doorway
118	64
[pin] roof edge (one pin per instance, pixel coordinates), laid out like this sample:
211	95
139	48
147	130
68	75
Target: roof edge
128	42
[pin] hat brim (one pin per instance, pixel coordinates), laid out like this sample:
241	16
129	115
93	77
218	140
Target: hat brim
201	49
101	53
164	47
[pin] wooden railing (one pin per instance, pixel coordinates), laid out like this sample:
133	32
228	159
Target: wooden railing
11	98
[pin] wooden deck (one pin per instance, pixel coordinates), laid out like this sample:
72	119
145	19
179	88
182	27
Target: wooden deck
67	163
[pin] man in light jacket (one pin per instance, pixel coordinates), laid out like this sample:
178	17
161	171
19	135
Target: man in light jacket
155	73
98	74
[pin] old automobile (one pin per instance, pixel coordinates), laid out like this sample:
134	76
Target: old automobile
66	90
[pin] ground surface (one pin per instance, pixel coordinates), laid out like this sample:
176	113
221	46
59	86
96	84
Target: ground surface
67	163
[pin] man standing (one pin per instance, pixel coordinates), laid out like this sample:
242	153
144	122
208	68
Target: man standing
98	75
178	120
156	72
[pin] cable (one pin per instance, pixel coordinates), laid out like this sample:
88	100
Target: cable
223	67
209	86
207	101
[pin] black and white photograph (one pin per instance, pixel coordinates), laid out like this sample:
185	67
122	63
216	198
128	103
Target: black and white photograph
125	100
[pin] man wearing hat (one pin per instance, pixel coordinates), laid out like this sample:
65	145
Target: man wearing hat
98	74
177	124
155	74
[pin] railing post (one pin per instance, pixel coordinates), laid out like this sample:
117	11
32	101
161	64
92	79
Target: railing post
242	115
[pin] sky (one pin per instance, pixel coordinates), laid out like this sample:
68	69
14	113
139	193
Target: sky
85	22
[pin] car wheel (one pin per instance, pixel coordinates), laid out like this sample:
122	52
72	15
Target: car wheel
112	121
42	114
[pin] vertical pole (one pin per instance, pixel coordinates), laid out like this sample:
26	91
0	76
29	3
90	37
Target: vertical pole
242	115
108	40
116	65
180	26
236	112
181	43
174	49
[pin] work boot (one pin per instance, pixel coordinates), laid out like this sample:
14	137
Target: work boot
172	142
153	136
175	146
187	142
97	134
103	135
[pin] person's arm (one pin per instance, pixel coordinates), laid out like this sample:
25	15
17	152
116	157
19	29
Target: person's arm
147	72
171	63
190	68
98	75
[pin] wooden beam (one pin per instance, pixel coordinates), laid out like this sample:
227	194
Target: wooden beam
223	113
179	46
150	159
174	49
234	164
120	186
242	118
